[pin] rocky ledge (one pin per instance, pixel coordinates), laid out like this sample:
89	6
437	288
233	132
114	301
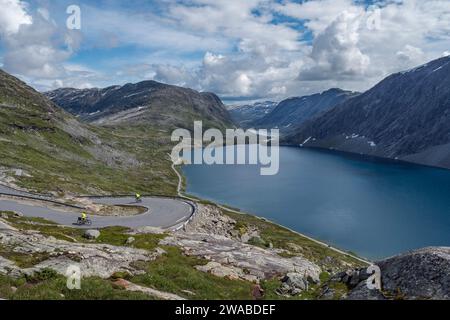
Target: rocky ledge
215	237
422	274
101	260
236	260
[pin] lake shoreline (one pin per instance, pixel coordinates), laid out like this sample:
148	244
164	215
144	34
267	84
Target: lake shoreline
366	157
182	193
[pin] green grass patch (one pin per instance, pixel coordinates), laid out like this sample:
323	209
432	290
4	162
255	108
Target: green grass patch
118	236
59	162
51	286
174	272
14	218
21	259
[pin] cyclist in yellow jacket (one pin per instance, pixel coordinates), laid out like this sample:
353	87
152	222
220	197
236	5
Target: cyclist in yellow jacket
138	197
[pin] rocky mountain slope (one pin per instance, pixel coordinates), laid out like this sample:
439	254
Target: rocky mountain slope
147	102
292	112
44	148
245	115
406	116
34	132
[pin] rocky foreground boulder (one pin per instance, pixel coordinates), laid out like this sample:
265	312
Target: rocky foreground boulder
91	234
422	274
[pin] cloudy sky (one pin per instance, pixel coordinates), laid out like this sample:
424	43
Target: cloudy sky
241	50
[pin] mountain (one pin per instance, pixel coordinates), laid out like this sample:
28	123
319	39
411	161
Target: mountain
245	115
406	116
142	103
34	132
294	111
44	148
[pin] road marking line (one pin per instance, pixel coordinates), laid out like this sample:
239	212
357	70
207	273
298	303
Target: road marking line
180	219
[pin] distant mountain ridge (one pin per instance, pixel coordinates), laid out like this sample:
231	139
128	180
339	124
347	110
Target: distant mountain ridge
406	116
293	112
245	115
144	102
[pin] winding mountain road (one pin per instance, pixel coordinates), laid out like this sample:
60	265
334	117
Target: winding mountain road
165	213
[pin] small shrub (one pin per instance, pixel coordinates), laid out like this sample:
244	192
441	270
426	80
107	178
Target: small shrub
42	275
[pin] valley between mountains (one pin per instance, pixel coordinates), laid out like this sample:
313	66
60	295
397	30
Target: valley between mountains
70	143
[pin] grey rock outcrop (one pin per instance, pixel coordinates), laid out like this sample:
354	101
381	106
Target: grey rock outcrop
6	266
91	234
130	240
210	220
294	283
236	258
218	238
224	271
420	274
100	260
4	225
129	286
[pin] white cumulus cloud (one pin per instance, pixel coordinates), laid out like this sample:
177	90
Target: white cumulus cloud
13	14
335	52
253	49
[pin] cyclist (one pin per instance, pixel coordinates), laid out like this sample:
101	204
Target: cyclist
83	217
138	197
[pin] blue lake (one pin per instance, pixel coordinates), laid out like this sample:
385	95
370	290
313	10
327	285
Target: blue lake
372	207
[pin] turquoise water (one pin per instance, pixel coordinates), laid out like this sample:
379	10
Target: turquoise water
372	207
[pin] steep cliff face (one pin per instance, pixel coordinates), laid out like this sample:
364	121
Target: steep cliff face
405	116
147	102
